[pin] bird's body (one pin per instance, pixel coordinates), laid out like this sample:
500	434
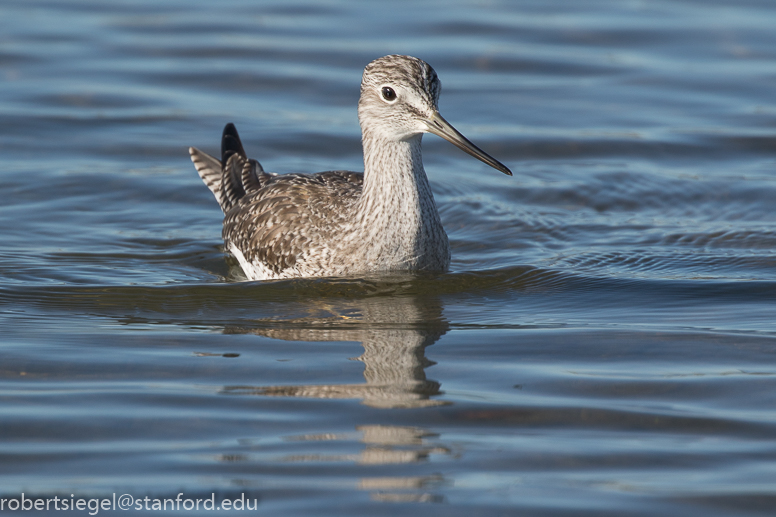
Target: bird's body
340	222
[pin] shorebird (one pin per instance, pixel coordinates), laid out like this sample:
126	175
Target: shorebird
339	223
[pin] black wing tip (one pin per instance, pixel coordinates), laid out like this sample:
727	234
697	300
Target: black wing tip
231	143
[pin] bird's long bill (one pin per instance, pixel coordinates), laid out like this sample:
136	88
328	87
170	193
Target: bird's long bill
440	127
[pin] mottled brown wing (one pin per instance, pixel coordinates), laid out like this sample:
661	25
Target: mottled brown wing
280	223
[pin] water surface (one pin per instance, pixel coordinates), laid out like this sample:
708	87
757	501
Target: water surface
604	343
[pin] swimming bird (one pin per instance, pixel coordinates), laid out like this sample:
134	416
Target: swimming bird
338	223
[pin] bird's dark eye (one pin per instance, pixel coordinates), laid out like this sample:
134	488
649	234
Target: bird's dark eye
389	94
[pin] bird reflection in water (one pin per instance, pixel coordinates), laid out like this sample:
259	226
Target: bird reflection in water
394	332
386	445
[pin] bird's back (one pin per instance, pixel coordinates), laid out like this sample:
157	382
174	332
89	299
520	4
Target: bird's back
280	226
294	224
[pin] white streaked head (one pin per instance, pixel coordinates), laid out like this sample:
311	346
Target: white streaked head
399	96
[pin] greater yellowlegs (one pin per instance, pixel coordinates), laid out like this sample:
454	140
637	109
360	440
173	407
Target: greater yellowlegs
341	222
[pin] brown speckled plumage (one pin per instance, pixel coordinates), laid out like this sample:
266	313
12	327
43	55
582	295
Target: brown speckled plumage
340	222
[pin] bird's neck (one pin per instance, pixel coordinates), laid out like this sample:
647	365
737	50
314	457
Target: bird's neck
393	177
396	212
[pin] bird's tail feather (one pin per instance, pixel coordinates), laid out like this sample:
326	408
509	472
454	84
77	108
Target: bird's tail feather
232	177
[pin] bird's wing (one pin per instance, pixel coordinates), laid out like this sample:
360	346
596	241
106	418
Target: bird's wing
292	218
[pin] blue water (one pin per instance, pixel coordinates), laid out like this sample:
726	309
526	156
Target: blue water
604	343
